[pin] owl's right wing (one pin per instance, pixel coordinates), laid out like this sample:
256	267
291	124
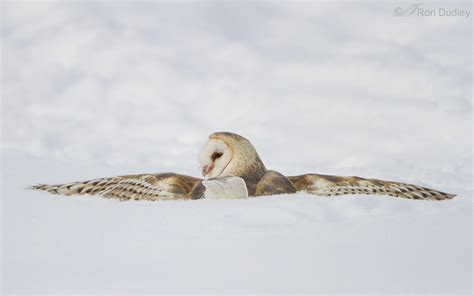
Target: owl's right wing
326	185
166	186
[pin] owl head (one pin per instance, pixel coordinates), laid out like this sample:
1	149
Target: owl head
226	154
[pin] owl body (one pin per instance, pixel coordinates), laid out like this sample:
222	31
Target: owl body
233	169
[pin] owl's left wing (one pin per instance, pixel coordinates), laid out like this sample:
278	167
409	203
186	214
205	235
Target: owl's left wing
167	186
325	185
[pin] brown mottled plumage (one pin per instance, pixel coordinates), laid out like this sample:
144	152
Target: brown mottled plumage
143	186
228	155
325	185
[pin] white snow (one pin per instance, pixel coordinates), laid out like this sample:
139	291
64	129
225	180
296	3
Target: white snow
95	89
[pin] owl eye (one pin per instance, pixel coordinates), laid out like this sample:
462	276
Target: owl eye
216	155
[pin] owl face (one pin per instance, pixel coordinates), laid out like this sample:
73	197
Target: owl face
214	158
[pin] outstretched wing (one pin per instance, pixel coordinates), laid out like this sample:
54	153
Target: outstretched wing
139	187
337	185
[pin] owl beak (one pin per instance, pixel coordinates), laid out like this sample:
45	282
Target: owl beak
207	169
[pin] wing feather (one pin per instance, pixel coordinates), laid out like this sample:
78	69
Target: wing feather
326	185
167	186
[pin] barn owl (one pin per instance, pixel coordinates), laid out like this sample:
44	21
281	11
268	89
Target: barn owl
232	168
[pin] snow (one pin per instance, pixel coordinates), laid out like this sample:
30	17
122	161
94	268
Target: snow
95	89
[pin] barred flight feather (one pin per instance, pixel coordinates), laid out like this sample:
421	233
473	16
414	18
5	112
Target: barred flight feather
325	185
123	188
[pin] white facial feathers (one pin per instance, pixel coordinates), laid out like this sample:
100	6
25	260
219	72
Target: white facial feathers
214	158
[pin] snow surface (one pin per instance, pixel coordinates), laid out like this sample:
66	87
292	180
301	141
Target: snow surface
94	90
